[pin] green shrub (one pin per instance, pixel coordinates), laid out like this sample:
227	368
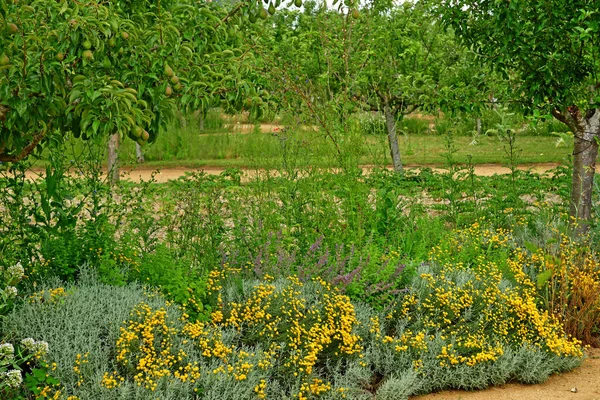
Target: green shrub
82	323
455	327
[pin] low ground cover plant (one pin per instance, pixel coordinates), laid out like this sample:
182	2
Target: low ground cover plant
453	326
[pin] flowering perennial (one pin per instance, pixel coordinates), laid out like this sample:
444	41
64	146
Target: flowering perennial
475	309
300	331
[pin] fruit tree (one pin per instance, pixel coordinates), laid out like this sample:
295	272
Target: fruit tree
551	49
112	67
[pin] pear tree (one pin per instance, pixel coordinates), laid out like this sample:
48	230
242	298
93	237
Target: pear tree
549	50
113	68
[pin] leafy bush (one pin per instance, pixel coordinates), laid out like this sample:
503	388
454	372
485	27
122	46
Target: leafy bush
176	280
456	327
570	285
55	224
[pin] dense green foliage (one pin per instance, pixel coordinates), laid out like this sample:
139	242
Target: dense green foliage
549	52
384	58
311	276
548	49
113	67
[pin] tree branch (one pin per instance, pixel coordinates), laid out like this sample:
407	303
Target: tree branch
381	96
559	116
230	14
410	109
26	150
572	119
3	112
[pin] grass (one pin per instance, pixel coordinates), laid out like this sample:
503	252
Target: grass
227	149
221	143
264	150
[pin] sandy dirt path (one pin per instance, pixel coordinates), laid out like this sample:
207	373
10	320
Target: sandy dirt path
144	173
584	381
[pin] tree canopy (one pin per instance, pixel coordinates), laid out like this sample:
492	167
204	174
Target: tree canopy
97	68
550	50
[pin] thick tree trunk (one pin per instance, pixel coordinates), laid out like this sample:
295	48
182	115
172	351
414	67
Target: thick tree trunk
113	158
585	152
586	130
390	121
139	154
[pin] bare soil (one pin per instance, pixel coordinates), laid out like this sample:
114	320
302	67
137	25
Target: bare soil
264	128
580	384
142	172
166	174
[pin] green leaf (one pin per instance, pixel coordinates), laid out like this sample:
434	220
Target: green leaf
95	126
543	278
39	374
531	247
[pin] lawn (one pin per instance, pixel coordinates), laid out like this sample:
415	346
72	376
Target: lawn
258	149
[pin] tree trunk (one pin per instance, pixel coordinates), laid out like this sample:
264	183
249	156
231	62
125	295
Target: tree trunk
138	153
200	116
113	158
390	121
478	126
585	152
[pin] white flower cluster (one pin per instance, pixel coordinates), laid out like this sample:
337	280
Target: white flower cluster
39	348
10	292
12	378
7	351
28	344
16	271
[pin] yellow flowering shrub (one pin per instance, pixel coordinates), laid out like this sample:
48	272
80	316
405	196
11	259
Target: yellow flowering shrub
565	280
479	314
456	325
48	296
309	328
478	309
146	351
294	328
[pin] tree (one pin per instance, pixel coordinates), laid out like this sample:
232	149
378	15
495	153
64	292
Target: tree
385	58
407	62
550	50
119	68
291	68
